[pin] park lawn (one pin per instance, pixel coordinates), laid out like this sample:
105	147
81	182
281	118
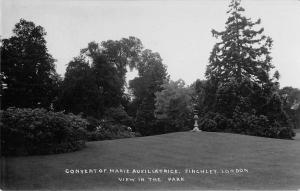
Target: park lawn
271	163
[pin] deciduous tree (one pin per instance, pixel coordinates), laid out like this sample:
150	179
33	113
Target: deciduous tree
152	74
28	68
174	105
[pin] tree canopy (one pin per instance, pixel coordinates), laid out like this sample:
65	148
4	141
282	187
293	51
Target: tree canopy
28	68
79	92
174	104
152	74
238	94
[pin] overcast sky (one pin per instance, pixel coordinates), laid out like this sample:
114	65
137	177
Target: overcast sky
179	30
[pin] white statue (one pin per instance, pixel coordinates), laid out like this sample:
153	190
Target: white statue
196	124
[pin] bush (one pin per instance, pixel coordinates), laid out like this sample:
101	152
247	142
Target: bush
247	108
109	131
223	123
118	115
115	125
215	122
252	124
207	123
37	131
245	123
93	123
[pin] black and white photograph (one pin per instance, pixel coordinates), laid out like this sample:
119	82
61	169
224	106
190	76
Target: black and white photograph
150	95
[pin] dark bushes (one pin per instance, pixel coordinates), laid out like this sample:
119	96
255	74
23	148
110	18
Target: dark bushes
108	131
245	107
115	125
118	115
245	123
114	132
37	131
216	122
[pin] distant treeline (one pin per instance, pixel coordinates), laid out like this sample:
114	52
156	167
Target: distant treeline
238	94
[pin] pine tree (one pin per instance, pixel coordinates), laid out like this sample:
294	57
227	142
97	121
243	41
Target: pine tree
243	51
239	94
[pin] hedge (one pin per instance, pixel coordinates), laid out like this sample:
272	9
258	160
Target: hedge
245	123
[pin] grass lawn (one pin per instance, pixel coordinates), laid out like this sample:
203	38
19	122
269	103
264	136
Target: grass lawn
271	163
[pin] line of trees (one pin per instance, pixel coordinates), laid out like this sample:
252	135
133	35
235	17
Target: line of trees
238	94
94	82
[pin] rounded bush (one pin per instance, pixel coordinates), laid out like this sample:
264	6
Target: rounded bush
222	122
118	115
38	131
208	125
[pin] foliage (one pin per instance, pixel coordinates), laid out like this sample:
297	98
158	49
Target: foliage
3	85
242	52
245	108
93	124
205	95
116	124
118	115
245	123
108	131
79	92
215	122
123	53
37	131
29	70
174	105
118	54
106	76
152	74
95	80
291	102
239	91
261	125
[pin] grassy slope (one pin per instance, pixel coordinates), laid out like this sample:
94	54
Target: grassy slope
272	163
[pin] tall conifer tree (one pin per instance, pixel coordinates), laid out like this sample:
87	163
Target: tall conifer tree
239	92
243	51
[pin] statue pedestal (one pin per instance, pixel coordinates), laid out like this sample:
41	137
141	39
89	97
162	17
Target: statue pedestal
196	129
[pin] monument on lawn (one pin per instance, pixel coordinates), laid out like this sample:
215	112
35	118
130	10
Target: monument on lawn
196	128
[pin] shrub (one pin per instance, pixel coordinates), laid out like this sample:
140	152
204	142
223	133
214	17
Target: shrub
108	131
37	131
223	123
244	107
118	115
252	124
245	123
215	122
93	123
207	123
